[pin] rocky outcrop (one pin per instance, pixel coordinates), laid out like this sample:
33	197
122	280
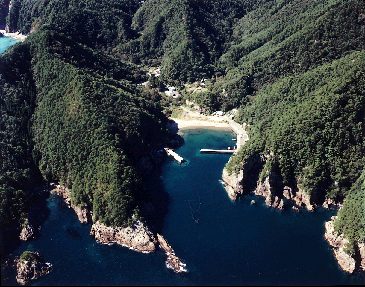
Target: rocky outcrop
339	243
362	255
302	199
233	183
27	232
172	262
284	197
136	237
265	190
275	198
30	266
331	203
82	212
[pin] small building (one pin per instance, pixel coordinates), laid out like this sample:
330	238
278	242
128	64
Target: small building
172	92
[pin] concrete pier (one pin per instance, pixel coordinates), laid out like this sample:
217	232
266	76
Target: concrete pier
222	151
174	155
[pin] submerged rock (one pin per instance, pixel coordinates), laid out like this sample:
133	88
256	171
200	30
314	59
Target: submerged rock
31	266
339	243
136	237
172	262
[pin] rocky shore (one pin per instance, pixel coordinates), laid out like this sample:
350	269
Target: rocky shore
282	198
286	197
82	212
30	266
172	262
348	262
233	184
136	237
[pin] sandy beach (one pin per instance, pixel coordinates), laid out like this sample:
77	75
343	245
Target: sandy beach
199	123
189	119
16	35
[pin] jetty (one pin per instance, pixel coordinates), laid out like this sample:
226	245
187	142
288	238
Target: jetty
219	151
174	155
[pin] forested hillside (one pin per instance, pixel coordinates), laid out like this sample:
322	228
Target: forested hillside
294	69
188	36
17	169
101	24
4	9
312	127
73	115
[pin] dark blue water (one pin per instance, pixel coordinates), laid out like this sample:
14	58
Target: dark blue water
6	42
221	242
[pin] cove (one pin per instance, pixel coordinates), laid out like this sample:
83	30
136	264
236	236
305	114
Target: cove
220	241
6	42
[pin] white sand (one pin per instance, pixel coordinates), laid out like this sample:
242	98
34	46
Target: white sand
199	123
193	120
16	35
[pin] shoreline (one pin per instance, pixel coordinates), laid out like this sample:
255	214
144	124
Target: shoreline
190	120
18	36
184	124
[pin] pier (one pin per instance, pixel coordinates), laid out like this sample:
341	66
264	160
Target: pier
221	151
174	155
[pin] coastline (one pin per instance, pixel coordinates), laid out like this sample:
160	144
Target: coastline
18	36
189	120
184	124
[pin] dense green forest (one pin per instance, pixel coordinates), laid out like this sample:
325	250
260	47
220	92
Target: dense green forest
294	69
4	9
90	127
101	24
184	35
351	219
75	116
17	169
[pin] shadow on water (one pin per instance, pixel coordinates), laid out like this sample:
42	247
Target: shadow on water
222	242
155	203
38	214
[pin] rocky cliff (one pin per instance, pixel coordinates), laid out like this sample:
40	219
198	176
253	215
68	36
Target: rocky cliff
82	212
233	183
284	197
348	262
136	237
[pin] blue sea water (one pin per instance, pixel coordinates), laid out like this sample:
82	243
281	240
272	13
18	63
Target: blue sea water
6	42
220	241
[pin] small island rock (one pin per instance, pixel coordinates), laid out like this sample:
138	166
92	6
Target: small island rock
31	266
